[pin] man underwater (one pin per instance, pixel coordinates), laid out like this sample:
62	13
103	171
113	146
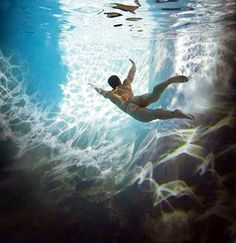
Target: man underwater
122	96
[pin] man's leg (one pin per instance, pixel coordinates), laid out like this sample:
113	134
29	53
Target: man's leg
146	115
147	99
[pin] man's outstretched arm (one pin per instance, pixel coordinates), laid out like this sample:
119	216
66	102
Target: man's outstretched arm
131	73
102	92
109	95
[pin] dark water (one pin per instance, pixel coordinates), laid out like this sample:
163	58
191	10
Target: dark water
73	168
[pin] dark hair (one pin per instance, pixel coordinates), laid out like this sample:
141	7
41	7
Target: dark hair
114	81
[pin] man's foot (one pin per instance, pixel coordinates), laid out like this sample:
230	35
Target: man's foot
180	114
178	79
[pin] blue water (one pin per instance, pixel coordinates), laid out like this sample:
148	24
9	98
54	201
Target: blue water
75	168
31	31
68	133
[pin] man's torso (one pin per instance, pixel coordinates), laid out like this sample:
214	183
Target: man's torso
125	93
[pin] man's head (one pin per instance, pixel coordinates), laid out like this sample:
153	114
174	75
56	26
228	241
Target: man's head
114	81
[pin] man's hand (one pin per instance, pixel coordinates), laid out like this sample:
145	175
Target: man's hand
132	61
94	87
100	91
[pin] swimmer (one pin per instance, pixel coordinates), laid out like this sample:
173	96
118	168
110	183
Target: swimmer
136	106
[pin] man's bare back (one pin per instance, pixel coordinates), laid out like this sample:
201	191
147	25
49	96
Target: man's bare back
122	96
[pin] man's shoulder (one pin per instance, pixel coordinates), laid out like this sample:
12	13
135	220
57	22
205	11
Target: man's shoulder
127	82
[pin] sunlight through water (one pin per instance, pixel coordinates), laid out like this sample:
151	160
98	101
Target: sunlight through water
89	146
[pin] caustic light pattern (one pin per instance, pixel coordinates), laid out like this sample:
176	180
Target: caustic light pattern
86	146
77	145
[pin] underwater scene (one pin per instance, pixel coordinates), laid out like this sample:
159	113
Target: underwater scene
85	159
